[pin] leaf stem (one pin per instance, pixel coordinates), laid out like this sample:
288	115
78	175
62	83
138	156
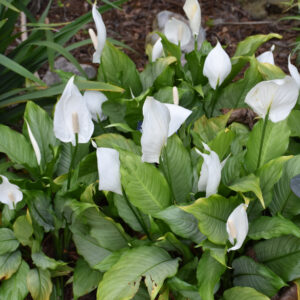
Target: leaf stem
72	161
214	101
262	140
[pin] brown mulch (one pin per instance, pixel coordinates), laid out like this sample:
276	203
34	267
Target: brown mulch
225	20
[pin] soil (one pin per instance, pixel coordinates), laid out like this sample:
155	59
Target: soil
226	21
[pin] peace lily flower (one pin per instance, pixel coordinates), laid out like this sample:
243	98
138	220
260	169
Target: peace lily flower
94	101
294	72
210	175
10	194
157	50
217	66
237	227
99	39
177	32
267	57
72	116
160	121
34	144
109	170
278	97
193	12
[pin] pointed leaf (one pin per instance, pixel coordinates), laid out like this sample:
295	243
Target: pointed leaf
39	284
8	241
244	293
9	264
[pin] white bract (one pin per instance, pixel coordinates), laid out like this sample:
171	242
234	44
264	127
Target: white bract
210	175
294	72
94	101
237	227
72	116
10	194
160	121
267	57
109	170
217	66
193	12
157	50
177	32
278	97
99	39
34	144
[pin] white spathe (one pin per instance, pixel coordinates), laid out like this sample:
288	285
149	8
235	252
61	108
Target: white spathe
101	35
157	50
210	175
177	32
294	72
160	121
267	57
277	96
72	116
193	12
34	144
155	129
109	170
237	227
94	101
10	194
217	66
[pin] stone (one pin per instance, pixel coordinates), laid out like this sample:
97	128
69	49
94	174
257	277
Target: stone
51	78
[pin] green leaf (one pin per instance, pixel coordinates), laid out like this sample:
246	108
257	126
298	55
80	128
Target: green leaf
116	67
281	255
184	289
284	200
130	214
181	223
244	293
144	185
293	123
44	262
217	252
209	272
39	284
85	279
272	145
8	241
41	126
16	286
207	129
170	49
249	273
212	214
17	68
249	183
270	227
116	141
40	209
16	147
9	264
153	71
177	167
9	5
123	279
269	71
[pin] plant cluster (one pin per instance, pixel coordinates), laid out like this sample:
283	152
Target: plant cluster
145	190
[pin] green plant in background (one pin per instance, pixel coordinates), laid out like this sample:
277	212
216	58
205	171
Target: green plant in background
193	206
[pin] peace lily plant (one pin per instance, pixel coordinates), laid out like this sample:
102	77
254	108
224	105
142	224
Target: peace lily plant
138	186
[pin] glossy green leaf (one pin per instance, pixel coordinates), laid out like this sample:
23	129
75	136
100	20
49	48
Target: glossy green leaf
273	146
9	264
16	286
85	279
177	167
144	185
281	255
42	261
249	273
123	279
209	272
183	289
8	241
284	200
218	252
212	214
244	293
39	284
293	122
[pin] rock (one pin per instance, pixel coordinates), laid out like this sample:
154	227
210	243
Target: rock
61	63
